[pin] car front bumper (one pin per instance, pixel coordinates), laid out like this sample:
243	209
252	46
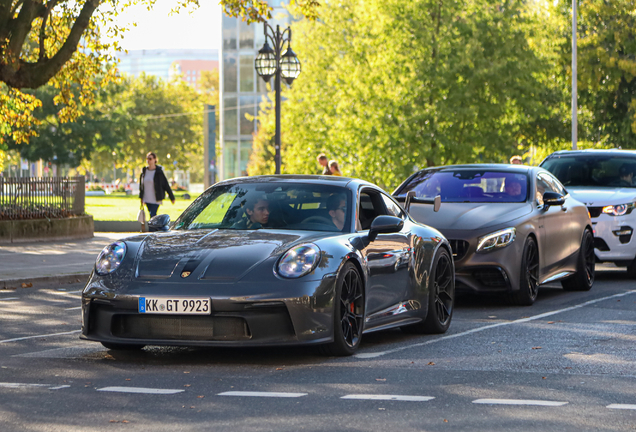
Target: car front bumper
491	272
609	246
299	313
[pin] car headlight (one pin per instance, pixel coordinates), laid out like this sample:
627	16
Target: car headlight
496	240
299	260
110	258
619	210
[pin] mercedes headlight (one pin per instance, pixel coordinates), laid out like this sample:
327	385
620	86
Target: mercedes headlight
299	260
619	210
496	240
110	258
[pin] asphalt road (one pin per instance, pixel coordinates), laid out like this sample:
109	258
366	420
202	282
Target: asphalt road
568	363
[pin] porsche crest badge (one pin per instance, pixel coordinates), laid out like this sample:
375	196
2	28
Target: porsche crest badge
185	274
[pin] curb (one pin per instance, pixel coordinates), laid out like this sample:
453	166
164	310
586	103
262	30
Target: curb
51	280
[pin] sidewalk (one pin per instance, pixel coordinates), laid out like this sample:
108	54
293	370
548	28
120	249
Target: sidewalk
51	262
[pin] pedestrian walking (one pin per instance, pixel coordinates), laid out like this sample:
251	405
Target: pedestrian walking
334	168
324	163
153	185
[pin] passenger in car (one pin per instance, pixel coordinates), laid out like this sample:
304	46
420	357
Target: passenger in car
337	207
256	212
513	187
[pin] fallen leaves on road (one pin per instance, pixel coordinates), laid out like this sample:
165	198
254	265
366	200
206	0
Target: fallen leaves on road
127	379
431	364
119	421
550	322
186	371
280	368
26	285
536	348
186	385
200	397
380	379
445	421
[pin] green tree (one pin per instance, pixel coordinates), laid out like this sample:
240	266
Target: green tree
454	82
58	42
606	42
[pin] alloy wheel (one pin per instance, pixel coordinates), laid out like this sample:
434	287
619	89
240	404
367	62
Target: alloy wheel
443	289
532	269
351	308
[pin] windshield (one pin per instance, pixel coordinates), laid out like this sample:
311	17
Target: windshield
469	186
604	171
281	205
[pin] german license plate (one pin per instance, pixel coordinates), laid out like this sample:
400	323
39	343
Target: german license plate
174	305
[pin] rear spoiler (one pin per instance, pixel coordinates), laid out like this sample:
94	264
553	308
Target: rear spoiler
410	198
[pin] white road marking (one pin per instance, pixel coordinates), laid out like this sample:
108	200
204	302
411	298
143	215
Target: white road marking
488	327
262	394
22	385
518	402
59	387
622	406
388	397
39	336
9	298
140	390
73	308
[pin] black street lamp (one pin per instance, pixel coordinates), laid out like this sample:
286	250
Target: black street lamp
281	64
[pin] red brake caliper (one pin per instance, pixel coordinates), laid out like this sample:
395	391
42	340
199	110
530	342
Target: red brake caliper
351	304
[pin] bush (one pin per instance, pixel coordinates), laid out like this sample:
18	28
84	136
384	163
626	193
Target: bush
121	188
95	188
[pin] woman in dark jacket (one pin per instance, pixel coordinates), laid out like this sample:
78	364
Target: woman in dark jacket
153	185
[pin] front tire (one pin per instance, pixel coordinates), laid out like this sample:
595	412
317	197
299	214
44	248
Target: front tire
583	279
529	279
631	270
348	313
441	303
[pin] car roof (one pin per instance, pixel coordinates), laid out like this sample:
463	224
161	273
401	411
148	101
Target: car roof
297	178
521	169
593	152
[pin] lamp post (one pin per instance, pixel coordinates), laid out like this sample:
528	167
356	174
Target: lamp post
282	64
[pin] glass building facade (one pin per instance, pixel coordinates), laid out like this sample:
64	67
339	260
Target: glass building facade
159	61
241	89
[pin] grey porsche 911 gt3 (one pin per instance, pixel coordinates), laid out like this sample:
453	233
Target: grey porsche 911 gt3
512	228
273	260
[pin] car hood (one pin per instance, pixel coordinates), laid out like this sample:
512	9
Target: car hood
217	255
598	197
468	216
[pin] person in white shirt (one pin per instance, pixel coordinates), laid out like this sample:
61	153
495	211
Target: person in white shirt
153	185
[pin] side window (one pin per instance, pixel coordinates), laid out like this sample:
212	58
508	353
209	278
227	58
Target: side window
371	206
556	184
392	209
543	186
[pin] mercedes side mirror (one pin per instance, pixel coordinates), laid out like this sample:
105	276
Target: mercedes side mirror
159	223
385	225
553	199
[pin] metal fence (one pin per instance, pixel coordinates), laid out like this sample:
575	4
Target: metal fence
41	197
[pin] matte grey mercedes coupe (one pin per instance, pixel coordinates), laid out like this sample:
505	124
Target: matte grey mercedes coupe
273	260
512	227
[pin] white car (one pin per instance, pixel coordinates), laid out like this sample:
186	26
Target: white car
604	181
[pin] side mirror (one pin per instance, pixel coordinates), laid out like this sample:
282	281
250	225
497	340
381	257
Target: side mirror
384	225
159	223
553	199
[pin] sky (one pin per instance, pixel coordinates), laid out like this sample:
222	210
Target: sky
156	29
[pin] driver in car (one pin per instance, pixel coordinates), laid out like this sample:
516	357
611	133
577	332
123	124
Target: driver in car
257	212
626	176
